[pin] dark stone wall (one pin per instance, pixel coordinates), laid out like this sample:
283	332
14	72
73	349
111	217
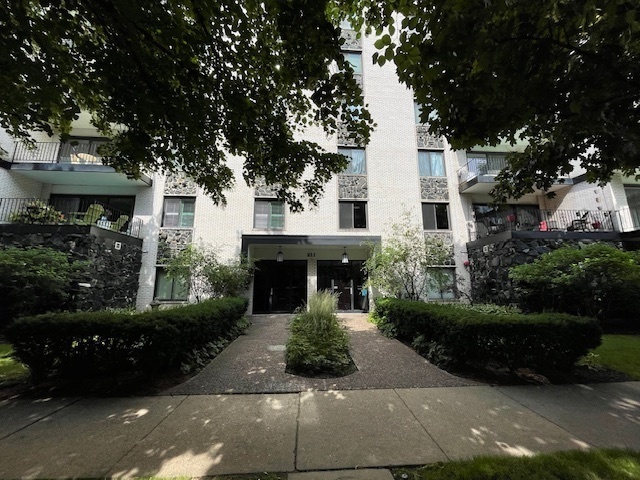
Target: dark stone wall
112	273
490	264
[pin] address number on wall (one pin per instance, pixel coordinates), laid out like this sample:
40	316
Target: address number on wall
311	254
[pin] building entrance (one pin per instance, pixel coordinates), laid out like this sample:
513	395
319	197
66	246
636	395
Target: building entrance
279	286
347	280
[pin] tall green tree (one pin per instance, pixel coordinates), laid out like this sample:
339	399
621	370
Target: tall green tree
563	75
184	84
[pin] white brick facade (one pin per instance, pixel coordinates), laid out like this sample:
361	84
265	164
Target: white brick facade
393	188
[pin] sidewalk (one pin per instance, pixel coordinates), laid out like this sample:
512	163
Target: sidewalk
204	435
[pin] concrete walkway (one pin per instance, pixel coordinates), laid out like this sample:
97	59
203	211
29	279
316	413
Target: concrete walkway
255	363
326	431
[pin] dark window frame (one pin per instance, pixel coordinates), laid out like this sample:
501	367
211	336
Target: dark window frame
352	215
436	216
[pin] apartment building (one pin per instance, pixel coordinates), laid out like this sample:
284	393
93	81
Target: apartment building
403	170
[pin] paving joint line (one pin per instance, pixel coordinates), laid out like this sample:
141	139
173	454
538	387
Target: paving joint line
420	423
42	418
295	446
106	474
499	389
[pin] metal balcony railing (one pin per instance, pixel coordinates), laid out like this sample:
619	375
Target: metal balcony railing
56	152
37	211
532	219
478	166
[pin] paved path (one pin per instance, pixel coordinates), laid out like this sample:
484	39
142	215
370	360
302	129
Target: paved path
205	435
254	363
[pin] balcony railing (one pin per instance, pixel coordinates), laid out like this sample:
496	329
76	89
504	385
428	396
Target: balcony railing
56	152
531	219
490	166
476	167
36	211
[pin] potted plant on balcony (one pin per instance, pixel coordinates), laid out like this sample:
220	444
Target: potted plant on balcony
38	212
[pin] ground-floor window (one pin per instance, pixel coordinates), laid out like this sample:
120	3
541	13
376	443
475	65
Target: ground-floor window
168	288
443	286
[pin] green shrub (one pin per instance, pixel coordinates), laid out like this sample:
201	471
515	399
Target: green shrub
317	344
35	280
449	335
94	343
596	280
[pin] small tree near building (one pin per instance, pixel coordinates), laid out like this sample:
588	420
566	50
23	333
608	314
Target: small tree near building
408	264
207	276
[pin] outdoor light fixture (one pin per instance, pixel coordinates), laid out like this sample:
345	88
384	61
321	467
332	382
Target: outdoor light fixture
345	257
279	255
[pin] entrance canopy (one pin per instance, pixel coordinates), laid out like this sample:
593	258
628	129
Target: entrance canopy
308	240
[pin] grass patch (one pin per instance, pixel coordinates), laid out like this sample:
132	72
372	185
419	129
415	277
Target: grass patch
618	352
10	369
597	464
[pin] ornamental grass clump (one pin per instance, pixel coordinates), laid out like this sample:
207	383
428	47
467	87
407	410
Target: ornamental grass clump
318	345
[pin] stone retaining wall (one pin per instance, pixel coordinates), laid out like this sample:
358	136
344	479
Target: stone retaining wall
490	264
113	273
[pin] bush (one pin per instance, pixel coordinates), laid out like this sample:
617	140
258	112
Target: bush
318	345
35	280
452	336
596	280
93	343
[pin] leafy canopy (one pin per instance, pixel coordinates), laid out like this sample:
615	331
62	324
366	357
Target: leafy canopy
181	85
563	75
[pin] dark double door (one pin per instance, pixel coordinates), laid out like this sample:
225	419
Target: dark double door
346	280
279	286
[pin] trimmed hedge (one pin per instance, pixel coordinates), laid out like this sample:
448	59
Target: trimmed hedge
453	336
93	343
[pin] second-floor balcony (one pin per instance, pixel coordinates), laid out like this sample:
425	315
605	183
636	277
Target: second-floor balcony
91	213
579	222
71	163
478	175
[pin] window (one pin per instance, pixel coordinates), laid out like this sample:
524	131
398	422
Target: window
417	111
357	160
435	216
269	214
168	288
353	214
355	59
431	164
179	212
442	285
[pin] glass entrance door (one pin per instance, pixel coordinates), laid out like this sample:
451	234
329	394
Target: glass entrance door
346	280
279	286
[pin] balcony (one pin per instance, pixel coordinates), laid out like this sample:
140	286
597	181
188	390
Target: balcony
575	222
67	164
36	211
478	176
